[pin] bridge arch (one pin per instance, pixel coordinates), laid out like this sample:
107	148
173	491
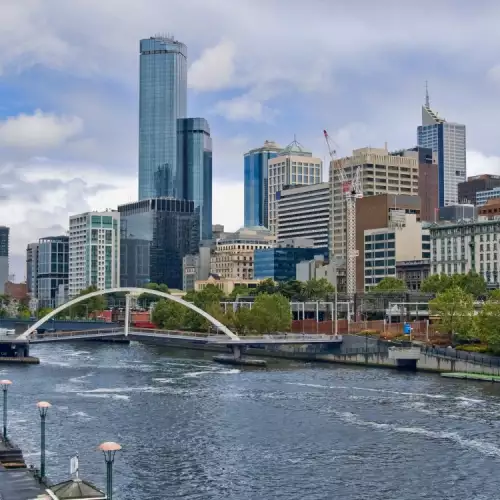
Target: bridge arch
164	295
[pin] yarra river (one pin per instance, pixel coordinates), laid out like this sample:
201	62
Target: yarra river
193	430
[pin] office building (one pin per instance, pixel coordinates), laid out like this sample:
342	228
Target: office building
471	245
428	180
381	173
196	267
304	212
53	269
316	269
226	285
155	235
233	255
32	268
457	212
376	212
385	246
256	184
162	101
94	251
448	141
490	210
217	231
292	166
483	196
194	154
4	257
467	191
280	263
413	272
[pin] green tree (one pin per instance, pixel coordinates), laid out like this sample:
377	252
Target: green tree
169	315
265	286
43	312
271	314
455	309
211	294
146	299
23	312
472	283
390	284
87	307
293	290
239	290
488	322
436	283
318	289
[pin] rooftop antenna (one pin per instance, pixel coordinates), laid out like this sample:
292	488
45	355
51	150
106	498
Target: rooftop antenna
427	100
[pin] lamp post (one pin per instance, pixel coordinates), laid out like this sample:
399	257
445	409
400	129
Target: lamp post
43	407
109	449
5	385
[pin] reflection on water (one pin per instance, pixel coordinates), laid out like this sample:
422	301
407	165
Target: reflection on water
194	430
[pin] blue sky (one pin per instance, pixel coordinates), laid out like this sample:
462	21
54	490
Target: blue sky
259	69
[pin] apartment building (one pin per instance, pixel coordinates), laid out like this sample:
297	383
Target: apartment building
467	246
94	251
233	255
304	212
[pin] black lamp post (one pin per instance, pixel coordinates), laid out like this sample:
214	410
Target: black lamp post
43	407
5	386
109	449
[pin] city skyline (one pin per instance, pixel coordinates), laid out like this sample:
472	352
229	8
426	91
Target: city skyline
69	144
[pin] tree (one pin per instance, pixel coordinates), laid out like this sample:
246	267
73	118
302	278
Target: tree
239	290
169	315
293	290
455	309
488	322
318	289
43	312
271	314
390	284
436	283
146	299
86	307
211	294
472	283
265	286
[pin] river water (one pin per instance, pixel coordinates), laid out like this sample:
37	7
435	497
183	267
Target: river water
194	430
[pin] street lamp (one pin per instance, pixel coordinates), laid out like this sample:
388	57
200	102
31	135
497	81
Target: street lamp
5	385
109	449
43	407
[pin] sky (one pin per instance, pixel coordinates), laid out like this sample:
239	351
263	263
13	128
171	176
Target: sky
258	70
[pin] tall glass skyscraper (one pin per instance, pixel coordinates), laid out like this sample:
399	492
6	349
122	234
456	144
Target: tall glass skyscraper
194	153
256	185
448	141
162	100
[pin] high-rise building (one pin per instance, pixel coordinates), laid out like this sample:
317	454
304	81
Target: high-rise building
291	167
94	251
381	173
32	268
256	183
4	257
155	236
162	100
304	212
482	197
448	141
194	154
52	269
468	190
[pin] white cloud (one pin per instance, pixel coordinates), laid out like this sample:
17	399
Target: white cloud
479	163
228	204
39	130
215	69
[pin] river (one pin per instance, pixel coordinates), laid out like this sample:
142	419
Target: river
194	430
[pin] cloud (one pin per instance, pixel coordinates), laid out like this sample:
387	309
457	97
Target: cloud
215	69
39	130
244	108
232	195
479	163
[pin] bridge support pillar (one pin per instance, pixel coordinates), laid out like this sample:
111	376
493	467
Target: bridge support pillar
127	314
237	351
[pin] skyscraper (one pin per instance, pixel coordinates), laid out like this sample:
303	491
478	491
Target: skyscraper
448	141
194	152
162	100
4	257
256	185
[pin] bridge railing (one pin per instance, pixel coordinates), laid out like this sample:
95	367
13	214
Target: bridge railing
77	333
176	333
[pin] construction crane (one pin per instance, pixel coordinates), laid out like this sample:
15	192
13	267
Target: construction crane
352	190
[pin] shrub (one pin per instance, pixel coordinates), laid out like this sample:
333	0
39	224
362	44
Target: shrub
369	332
481	348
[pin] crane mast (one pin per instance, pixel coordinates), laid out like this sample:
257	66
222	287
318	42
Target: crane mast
352	190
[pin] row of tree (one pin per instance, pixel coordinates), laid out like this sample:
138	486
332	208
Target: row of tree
458	317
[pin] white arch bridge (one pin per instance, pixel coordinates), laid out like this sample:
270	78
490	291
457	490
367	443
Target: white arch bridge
225	337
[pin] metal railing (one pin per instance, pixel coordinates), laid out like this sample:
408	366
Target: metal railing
469	357
78	333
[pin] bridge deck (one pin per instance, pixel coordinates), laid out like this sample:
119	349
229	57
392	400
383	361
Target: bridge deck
188	336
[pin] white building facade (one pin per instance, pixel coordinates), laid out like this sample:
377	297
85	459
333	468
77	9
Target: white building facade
94	251
304	212
293	166
467	246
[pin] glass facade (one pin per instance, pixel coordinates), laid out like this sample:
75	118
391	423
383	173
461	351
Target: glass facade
256	184
4	257
53	268
162	100
155	235
280	264
194	149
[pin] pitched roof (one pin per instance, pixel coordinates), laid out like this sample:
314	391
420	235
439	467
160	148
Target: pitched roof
77	489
